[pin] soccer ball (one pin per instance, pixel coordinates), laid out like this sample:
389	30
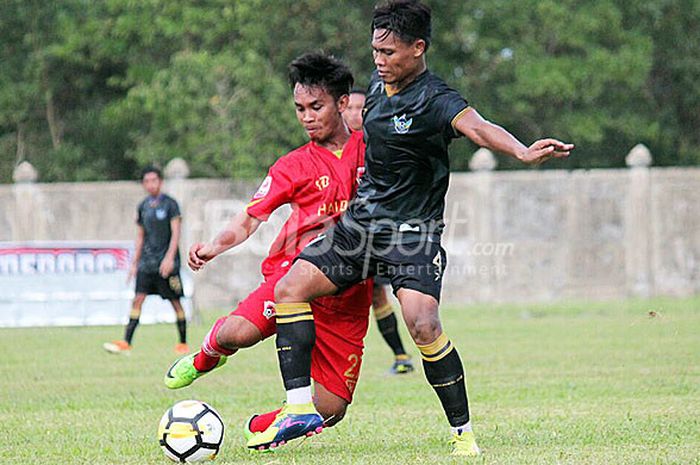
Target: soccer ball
191	431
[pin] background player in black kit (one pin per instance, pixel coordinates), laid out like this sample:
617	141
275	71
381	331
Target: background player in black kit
393	226
156	262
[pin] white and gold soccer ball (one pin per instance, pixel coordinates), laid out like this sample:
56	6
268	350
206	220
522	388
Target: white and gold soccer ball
191	431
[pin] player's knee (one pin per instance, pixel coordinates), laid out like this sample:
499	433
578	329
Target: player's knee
284	291
424	330
238	333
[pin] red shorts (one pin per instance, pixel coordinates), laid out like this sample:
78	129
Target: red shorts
341	325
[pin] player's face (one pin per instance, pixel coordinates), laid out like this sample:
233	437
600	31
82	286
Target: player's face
318	112
353	113
151	183
395	59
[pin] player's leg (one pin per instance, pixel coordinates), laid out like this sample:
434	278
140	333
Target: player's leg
418	285
170	288
295	326
248	324
388	327
336	358
143	287
181	323
223	340
441	364
295	340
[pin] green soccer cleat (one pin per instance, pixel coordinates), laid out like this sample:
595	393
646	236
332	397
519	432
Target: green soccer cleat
182	373
402	365
464	445
247	433
293	421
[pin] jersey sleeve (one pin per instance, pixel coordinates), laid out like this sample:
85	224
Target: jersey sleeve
449	107
276	190
173	209
139	214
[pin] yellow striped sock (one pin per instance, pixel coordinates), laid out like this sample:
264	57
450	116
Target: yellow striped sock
437	349
293	312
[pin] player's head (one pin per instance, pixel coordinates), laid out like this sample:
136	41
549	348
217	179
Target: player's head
353	113
401	33
321	85
151	180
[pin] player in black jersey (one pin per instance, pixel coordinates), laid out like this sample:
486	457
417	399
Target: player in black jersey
156	263
393	226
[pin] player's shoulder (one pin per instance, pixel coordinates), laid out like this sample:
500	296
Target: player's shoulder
376	85
437	86
168	199
293	162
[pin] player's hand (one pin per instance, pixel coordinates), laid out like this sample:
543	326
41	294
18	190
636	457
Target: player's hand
545	149
197	257
166	267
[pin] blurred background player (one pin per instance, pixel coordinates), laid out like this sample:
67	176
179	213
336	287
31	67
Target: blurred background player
381	306
318	179
156	263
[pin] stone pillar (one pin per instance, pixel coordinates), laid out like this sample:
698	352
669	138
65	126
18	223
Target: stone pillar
25	173
29	215
483	163
638	225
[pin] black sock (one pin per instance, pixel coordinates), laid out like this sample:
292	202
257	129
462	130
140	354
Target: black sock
296	335
443	369
182	330
130	328
390	332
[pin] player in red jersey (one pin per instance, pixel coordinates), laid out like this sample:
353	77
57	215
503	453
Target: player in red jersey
318	180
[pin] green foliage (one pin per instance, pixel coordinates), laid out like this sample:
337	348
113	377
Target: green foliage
91	90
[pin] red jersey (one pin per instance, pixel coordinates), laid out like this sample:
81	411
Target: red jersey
318	184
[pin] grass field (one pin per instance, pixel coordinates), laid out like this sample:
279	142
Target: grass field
601	383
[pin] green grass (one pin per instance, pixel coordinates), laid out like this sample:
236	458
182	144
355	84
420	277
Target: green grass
600	383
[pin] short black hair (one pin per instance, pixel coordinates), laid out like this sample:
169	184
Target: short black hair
408	19
151	169
321	70
357	90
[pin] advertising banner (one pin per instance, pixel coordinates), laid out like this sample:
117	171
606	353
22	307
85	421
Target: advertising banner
74	284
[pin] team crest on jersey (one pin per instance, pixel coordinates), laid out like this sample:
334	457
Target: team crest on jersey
401	124
161	213
264	188
323	182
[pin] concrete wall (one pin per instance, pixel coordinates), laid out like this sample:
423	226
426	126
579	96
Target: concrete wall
511	236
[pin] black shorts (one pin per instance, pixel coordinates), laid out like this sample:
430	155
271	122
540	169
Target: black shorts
153	283
350	254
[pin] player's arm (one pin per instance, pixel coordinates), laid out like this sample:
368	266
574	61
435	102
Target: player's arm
492	136
138	248
237	231
168	262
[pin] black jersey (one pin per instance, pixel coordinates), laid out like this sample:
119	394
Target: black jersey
154	215
406	161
